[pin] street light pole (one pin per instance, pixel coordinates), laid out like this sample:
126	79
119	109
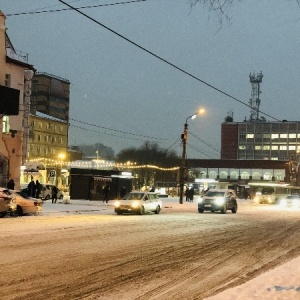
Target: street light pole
183	162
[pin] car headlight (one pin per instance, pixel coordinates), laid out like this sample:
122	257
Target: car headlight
256	199
200	200
220	201
135	204
117	204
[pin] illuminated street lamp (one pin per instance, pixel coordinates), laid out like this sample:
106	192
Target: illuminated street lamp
183	169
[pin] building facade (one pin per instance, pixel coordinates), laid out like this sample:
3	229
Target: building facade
261	140
15	73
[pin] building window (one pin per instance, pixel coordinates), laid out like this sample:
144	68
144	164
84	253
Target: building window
283	136
257	147
40	125
60	129
250	136
274	158
38	150
274	147
283	147
266	135
292	135
274	136
39	137
292	147
242	147
266	147
46	138
7	80
258	135
5	124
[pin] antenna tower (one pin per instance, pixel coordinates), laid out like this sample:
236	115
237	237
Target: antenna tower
254	102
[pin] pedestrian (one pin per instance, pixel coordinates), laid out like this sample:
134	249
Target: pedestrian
152	189
191	194
54	194
38	189
31	188
106	192
123	192
187	195
11	184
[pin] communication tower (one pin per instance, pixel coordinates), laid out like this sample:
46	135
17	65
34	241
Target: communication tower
254	102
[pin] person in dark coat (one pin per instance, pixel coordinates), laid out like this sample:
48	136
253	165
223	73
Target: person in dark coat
31	189
191	194
38	189
106	192
11	184
123	192
54	194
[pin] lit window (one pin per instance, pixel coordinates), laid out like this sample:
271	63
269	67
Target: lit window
242	147
283	147
274	147
274	136
292	135
274	158
266	147
250	136
258	147
5	124
283	136
292	147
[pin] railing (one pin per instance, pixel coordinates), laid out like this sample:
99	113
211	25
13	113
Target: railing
17	55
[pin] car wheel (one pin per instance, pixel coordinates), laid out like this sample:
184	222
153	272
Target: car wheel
19	211
47	197
234	209
224	209
200	210
118	212
157	209
2	214
142	210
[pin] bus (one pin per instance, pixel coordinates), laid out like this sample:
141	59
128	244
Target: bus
270	193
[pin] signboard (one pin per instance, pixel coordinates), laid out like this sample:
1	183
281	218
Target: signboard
52	173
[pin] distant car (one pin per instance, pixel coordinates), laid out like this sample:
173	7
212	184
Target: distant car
26	204
218	200
139	203
291	201
7	202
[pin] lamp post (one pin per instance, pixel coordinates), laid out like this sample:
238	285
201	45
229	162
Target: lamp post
183	169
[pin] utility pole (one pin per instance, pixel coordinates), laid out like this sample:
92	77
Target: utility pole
183	169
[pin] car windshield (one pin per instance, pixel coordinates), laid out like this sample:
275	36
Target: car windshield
133	196
215	194
293	197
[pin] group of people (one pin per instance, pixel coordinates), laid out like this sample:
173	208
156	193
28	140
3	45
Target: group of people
189	194
34	189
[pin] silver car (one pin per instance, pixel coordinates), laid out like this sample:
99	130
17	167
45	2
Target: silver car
139	203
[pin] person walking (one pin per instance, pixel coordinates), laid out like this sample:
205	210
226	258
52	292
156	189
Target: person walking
106	192
38	189
11	184
54	194
191	194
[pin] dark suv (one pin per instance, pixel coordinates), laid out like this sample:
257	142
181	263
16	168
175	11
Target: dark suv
218	200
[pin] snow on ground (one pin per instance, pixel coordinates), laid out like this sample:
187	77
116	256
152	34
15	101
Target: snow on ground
281	283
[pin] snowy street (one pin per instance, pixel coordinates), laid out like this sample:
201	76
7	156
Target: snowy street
83	250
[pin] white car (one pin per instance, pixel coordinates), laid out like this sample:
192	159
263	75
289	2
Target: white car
291	201
26	204
139	202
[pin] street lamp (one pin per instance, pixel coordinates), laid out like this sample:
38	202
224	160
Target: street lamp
183	169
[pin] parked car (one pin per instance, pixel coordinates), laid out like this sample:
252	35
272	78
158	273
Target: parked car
218	200
139	202
26	204
7	202
291	201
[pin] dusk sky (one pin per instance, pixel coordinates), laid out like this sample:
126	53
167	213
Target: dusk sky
122	96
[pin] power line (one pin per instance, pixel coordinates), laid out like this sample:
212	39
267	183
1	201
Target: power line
164	60
204	142
65	9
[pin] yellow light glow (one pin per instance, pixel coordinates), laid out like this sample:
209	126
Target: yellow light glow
201	111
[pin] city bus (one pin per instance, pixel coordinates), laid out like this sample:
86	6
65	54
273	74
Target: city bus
270	193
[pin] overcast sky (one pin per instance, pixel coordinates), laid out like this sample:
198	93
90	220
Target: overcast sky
138	97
